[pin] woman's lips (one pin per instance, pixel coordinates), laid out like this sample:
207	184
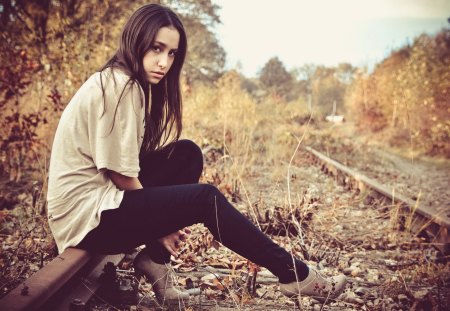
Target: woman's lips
157	74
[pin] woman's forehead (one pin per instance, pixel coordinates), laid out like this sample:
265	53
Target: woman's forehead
168	37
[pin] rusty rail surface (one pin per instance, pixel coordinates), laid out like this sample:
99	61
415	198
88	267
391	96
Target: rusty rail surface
436	224
73	274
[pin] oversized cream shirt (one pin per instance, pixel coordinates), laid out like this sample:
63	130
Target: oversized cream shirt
92	137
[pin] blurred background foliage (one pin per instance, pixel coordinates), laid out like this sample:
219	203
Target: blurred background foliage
407	96
48	48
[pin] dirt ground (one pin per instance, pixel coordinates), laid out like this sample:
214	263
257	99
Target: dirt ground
387	269
302	209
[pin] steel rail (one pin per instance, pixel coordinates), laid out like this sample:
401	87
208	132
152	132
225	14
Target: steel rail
435	223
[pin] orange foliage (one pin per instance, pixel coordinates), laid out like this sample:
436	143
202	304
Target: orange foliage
406	97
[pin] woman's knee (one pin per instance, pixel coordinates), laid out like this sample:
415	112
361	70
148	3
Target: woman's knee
215	206
190	147
211	190
192	151
210	195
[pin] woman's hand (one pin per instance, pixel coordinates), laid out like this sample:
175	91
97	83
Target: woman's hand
172	242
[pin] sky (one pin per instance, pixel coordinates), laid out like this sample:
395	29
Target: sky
326	32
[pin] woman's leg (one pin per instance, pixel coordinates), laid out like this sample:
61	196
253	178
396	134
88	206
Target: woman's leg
150	213
176	164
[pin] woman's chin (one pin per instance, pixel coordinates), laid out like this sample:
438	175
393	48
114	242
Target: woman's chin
154	80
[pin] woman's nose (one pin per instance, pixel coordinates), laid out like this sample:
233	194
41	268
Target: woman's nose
162	62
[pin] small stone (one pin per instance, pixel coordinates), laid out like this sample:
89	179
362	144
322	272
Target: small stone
320	266
265	273
358	213
208	277
356	300
361	291
348	270
352	298
338	228
420	294
373	278
356	271
317	307
393	307
402	297
194	291
372	295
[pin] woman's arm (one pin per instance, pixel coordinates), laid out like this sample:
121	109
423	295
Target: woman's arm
124	182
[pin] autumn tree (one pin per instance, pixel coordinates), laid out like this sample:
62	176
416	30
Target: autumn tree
328	86
277	79
304	75
206	57
406	96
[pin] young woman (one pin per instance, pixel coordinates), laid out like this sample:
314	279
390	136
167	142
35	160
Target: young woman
119	177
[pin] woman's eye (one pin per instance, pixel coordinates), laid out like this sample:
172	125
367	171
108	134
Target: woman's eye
156	49
172	53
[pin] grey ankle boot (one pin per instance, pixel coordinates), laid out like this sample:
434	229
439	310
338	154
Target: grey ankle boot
162	279
316	286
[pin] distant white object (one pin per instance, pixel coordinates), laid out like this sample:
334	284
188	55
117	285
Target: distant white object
335	119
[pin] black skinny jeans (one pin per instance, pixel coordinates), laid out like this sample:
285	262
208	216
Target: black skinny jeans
171	200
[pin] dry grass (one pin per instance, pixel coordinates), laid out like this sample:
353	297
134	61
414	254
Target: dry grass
323	222
251	155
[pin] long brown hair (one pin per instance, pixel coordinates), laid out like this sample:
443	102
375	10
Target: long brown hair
138	35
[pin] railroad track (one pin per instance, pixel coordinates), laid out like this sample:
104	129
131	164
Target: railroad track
425	220
72	278
65	283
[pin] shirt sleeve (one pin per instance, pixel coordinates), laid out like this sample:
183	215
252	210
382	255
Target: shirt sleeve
115	128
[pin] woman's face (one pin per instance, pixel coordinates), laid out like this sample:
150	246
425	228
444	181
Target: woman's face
158	60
